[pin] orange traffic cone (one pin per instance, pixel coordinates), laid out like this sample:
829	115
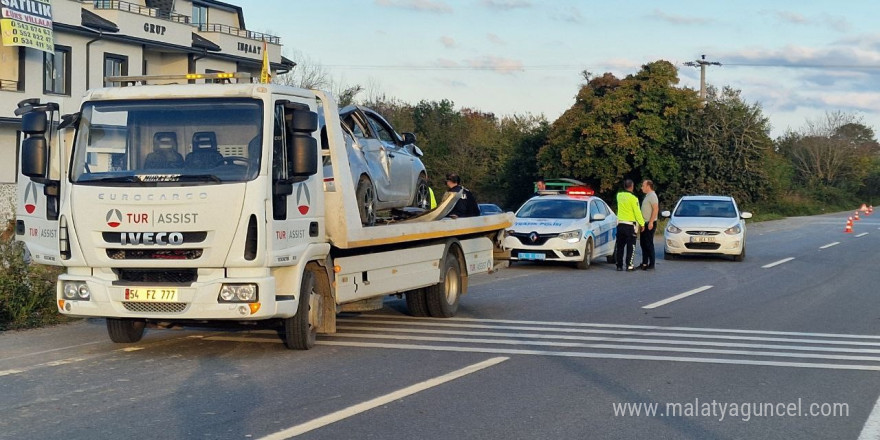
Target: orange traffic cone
856	216
870	209
848	228
864	208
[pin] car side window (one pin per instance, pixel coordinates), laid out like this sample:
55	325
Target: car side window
355	127
595	208
381	131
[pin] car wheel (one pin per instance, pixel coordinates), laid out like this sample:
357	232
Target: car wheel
366	198
667	255
742	254
421	198
611	259
588	256
123	330
301	330
443	298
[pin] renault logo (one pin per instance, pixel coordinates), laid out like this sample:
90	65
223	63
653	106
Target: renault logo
533	237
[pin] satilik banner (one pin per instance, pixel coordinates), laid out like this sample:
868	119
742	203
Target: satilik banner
27	23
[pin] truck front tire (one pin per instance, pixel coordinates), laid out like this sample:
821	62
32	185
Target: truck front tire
301	330
125	330
443	298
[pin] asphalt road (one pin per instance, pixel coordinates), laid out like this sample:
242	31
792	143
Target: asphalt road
537	351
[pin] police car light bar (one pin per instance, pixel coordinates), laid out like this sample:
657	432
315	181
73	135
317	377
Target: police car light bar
579	191
188	76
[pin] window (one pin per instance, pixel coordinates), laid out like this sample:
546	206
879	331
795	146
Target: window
12	68
56	76
381	131
200	16
115	65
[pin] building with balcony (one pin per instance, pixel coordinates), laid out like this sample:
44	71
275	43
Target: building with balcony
99	38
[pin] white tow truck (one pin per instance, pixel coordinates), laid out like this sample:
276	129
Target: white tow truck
205	202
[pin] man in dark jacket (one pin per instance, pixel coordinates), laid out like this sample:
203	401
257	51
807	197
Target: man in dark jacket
467	205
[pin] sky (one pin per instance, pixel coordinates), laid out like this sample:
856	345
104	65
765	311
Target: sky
798	60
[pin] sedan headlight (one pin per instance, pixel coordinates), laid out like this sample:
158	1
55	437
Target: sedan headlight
736	230
672	229
571	236
238	293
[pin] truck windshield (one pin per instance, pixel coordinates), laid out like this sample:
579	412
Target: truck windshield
168	142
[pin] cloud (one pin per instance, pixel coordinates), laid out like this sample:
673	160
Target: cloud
507	5
496	39
570	15
433	6
447	42
496	64
678	19
836	23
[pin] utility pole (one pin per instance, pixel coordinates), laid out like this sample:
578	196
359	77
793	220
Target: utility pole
702	63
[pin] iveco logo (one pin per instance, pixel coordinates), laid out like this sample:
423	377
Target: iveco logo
302	195
114	218
30	195
157	238
533	237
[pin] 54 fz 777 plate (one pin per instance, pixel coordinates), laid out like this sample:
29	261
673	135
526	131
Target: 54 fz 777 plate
157	294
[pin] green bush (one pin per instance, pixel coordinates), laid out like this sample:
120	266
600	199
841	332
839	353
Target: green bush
27	291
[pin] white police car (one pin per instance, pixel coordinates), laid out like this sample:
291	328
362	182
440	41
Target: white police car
574	227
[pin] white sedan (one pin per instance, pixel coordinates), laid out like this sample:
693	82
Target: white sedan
576	227
706	225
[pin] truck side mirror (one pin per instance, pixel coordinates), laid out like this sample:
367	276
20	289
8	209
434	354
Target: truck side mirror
304	121
303	156
34	157
34	122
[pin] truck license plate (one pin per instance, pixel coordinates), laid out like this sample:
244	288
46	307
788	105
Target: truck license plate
531	256
151	295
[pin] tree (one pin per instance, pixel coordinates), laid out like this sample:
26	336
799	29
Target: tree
725	148
621	128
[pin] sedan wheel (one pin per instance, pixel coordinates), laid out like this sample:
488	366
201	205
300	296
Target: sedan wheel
422	199
366	198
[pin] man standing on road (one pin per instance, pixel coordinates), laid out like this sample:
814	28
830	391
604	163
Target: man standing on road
467	205
650	208
629	222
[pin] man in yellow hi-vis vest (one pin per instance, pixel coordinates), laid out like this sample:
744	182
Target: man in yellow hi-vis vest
629	223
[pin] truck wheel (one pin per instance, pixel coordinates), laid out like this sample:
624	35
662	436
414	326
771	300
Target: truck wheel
301	330
421	198
366	199
588	256
443	298
417	303
124	330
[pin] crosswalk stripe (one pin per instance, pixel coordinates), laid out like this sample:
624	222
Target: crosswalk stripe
408	319
621	332
607	339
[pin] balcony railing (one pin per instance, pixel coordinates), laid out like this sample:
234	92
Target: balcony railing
222	28
141	10
8	85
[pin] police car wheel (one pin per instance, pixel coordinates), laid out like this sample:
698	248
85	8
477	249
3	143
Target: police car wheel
417	303
124	331
443	298
588	256
301	330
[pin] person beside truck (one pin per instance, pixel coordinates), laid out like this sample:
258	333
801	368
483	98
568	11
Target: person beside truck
467	205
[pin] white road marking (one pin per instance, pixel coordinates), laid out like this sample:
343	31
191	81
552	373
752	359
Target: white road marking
398	319
50	351
649	333
525	336
829	245
784	260
382	400
8	372
676	297
871	430
608	346
45	364
862	234
574	354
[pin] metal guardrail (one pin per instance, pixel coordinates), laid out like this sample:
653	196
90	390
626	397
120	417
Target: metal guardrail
140	10
8	85
225	29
